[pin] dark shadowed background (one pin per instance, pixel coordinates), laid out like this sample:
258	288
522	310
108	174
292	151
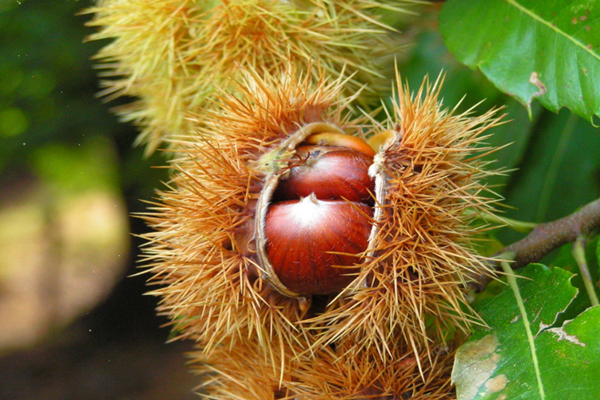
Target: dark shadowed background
73	325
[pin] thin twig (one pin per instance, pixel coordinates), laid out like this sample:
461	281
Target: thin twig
579	255
547	237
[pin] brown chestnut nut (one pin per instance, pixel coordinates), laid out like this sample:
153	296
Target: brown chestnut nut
328	172
314	215
313	244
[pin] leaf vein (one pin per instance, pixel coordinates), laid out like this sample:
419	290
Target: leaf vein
515	287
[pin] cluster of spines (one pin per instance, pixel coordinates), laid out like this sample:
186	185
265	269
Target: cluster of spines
174	54
413	285
201	251
375	340
202	254
327	374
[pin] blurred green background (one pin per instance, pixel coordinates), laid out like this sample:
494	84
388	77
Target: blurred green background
73	325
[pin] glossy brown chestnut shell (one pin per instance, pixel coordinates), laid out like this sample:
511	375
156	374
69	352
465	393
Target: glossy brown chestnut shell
328	172
314	214
313	244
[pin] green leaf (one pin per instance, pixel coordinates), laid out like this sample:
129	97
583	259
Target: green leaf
559	172
523	355
531	49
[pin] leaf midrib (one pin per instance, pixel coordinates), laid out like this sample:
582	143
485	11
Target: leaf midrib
552	27
512	281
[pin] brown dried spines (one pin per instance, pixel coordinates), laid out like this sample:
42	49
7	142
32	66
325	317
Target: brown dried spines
421	255
327	374
409	288
203	250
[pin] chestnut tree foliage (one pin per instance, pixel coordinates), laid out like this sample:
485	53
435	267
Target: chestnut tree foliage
540	61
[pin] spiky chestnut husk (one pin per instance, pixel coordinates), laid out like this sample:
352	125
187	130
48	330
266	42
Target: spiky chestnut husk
209	253
172	54
244	373
422	246
350	376
203	250
412	278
